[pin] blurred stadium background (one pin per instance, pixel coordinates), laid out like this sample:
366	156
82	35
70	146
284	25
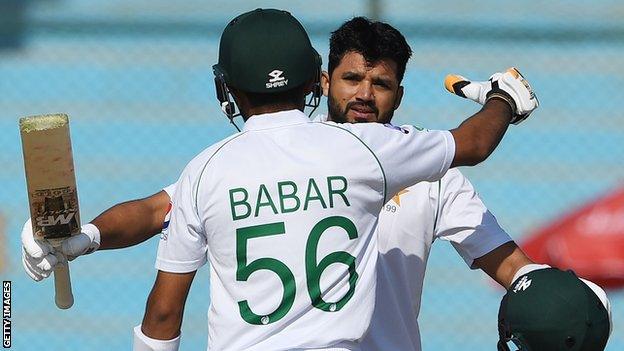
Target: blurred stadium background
135	76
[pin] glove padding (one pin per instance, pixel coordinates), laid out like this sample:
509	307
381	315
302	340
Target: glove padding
84	243
509	86
39	258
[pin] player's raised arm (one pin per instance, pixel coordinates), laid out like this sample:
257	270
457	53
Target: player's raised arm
131	222
478	136
506	98
410	154
125	224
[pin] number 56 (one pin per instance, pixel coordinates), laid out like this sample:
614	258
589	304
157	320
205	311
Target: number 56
313	270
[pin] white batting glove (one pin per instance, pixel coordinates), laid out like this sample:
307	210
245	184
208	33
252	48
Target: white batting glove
509	86
82	244
38	257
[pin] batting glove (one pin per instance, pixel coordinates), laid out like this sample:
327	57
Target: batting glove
509	86
39	258
84	243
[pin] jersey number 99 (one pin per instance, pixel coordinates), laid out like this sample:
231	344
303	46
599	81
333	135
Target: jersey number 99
313	270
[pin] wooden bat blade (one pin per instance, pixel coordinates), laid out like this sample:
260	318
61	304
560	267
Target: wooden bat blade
51	184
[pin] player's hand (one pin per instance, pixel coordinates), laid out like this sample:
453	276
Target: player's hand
82	244
509	86
38	257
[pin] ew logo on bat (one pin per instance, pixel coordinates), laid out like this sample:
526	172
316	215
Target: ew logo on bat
48	221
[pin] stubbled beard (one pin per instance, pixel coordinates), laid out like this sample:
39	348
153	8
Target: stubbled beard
340	116
333	109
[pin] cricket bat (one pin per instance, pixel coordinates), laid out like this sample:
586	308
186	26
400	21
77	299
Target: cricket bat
51	184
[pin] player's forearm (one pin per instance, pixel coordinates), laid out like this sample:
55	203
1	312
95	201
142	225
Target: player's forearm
477	137
502	263
161	325
165	305
132	222
123	225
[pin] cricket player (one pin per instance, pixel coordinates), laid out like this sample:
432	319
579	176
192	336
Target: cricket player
287	224
367	61
218	213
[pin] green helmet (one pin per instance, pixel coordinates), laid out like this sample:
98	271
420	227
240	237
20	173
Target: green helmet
266	51
552	310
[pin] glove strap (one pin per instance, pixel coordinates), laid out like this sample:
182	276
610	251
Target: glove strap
498	93
94	234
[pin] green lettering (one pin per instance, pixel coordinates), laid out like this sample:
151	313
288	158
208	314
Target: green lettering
243	202
291	195
245	270
268	202
314	270
340	191
312	186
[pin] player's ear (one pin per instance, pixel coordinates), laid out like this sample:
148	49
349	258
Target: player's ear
399	97
325	82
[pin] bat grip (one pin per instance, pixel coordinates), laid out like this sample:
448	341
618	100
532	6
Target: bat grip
62	287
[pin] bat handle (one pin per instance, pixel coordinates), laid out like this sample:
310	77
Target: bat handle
62	287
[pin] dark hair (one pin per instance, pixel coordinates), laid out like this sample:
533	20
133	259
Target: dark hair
372	39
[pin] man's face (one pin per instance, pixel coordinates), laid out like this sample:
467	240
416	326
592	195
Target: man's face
359	91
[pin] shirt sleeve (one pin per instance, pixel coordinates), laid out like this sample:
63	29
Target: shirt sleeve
170	189
407	154
183	245
464	220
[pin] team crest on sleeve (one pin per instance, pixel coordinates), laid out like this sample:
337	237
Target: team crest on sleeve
392	126
165	228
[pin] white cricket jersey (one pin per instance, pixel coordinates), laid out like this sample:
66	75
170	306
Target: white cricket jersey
285	213
409	223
